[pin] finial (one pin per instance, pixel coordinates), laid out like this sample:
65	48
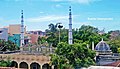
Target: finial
70	8
102	39
21	11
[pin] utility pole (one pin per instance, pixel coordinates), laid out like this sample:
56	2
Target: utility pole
59	26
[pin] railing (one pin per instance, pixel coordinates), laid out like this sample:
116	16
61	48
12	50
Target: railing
37	50
9	52
32	50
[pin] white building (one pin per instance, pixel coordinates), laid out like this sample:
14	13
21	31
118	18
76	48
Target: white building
101	67
4	34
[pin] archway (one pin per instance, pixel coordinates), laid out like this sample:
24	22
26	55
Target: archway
46	66
55	67
34	66
24	65
14	64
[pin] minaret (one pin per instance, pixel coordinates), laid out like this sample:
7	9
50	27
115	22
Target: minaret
70	39
22	29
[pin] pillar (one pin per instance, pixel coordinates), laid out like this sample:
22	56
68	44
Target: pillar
92	45
41	66
28	66
18	65
29	48
52	66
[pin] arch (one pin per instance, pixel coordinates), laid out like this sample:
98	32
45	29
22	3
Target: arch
34	65
55	67
23	65
14	64
46	66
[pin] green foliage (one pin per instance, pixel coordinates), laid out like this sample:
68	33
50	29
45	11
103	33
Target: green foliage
64	35
8	45
89	28
53	39
52	35
41	40
114	44
118	50
73	55
5	63
86	34
59	61
52	27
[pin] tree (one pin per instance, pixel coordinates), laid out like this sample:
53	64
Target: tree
76	55
41	40
87	34
52	27
118	50
64	35
114	44
52	34
5	63
8	45
89	28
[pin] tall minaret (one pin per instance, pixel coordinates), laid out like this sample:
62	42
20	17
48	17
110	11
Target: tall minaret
22	29
70	39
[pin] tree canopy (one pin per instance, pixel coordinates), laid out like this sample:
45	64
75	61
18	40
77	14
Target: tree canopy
5	63
52	34
41	40
86	34
76	55
7	45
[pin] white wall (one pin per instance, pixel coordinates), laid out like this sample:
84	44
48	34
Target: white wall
4	33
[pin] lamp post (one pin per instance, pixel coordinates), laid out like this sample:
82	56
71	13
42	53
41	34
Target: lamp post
59	26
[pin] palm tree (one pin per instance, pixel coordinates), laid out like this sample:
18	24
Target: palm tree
52	28
52	34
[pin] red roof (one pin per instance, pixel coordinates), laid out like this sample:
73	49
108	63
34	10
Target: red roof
115	64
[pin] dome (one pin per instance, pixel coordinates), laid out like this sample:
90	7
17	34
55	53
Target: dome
102	46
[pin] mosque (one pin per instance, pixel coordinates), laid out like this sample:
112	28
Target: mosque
104	55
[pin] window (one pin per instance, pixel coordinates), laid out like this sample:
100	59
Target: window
0	31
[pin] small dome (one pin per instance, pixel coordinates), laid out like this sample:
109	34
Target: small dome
102	46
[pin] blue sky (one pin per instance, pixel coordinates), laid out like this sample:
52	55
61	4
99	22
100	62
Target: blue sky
38	14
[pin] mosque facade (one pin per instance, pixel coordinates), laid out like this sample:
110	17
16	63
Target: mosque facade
104	55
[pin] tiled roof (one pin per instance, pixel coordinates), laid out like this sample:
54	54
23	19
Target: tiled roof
115	64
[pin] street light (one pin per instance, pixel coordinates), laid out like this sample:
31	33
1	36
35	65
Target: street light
59	26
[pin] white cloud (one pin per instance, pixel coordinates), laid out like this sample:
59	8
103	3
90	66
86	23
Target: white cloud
57	0
58	5
77	1
44	21
14	0
47	18
41	12
82	1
